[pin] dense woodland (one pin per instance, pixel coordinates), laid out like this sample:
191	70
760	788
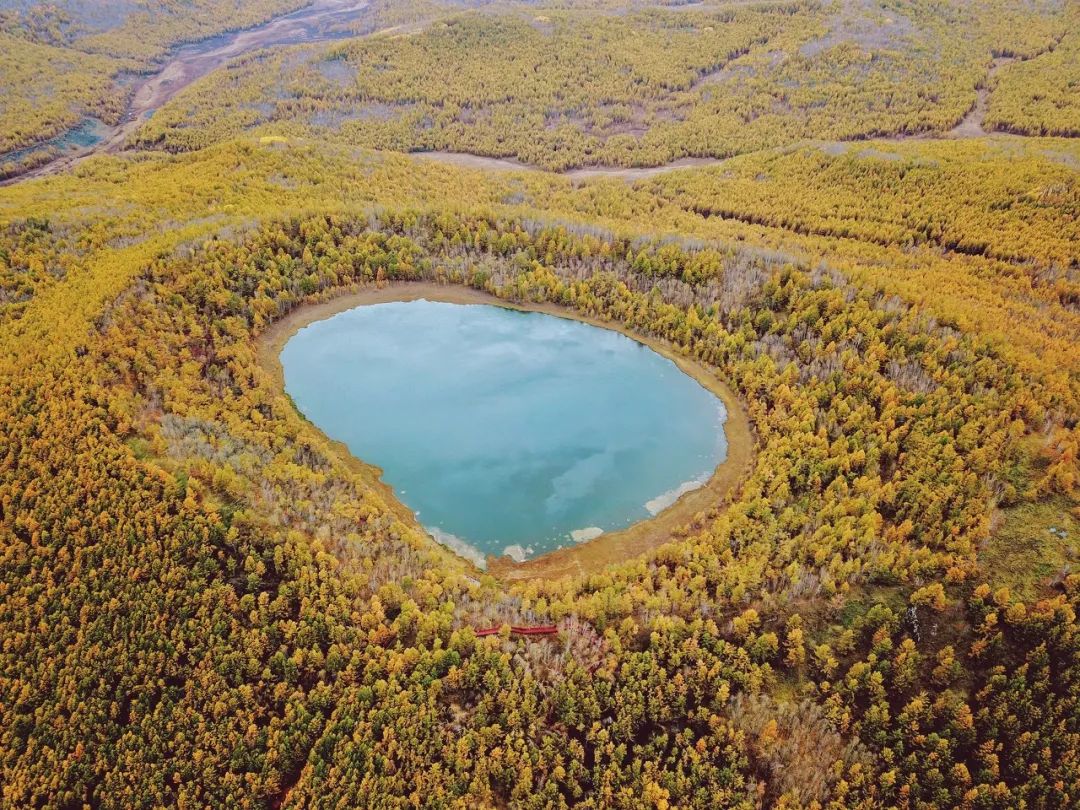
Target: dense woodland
560	85
560	89
62	62
203	603
48	89
1038	95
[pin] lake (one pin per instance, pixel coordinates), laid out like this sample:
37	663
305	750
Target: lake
506	432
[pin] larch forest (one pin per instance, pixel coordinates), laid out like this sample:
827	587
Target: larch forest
862	217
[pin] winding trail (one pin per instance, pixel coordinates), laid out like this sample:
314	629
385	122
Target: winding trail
467	160
322	21
972	124
327	20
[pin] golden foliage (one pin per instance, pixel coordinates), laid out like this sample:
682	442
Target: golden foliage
202	603
46	90
1041	94
564	89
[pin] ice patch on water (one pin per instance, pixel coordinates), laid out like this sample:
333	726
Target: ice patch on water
585	535
517	553
662	502
458	546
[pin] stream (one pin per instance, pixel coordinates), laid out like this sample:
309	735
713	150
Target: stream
322	21
327	20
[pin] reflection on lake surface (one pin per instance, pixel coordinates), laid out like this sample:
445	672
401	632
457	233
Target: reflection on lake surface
506	432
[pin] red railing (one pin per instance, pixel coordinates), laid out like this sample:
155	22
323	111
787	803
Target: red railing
540	630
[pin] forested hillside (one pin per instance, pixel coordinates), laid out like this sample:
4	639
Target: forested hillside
204	602
62	62
562	89
1038	95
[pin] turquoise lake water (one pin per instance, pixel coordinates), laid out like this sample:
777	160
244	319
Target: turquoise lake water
506	432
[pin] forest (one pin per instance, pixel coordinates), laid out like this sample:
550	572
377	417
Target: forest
204	602
566	89
64	62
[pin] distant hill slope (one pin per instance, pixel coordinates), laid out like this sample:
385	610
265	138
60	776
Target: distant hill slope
564	88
